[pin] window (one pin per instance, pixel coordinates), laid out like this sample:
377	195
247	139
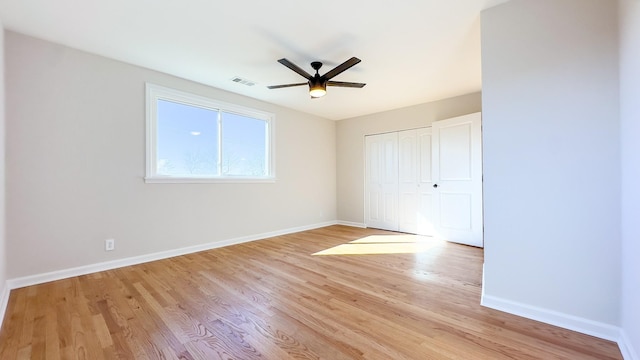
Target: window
195	139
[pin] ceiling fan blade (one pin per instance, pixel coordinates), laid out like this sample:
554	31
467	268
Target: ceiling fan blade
340	68
345	84
295	68
285	85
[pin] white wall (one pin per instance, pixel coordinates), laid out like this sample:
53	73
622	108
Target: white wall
75	166
552	161
350	144
3	255
630	135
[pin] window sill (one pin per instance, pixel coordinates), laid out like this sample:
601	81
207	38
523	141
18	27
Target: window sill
207	180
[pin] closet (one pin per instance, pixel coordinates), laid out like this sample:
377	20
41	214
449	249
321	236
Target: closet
427	181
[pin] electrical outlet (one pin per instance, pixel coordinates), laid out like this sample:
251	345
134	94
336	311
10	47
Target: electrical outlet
110	244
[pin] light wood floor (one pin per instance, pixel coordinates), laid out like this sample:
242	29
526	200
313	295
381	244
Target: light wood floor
273	299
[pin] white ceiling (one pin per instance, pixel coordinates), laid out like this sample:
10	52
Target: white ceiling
412	51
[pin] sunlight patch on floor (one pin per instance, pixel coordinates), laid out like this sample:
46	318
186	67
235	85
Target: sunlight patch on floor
384	244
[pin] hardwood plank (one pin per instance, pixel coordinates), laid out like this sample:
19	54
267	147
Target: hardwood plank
274	299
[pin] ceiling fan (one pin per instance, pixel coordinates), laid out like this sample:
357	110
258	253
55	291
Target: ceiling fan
318	83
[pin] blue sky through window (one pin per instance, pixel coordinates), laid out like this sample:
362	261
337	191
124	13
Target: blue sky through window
243	145
188	136
187	140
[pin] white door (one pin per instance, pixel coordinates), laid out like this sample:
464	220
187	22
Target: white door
425	182
408	181
415	191
457	174
381	177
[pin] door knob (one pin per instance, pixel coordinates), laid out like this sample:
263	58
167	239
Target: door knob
435	185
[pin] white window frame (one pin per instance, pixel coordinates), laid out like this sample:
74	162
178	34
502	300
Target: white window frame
156	92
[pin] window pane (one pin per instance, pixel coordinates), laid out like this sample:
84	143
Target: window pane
187	140
244	147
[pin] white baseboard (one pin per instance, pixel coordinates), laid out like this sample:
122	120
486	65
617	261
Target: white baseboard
109	265
626	347
4	300
570	322
352	224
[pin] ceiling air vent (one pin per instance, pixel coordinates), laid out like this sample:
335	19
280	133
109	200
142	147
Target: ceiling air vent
242	81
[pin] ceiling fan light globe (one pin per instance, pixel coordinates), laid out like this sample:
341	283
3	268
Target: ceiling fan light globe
317	88
317	92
